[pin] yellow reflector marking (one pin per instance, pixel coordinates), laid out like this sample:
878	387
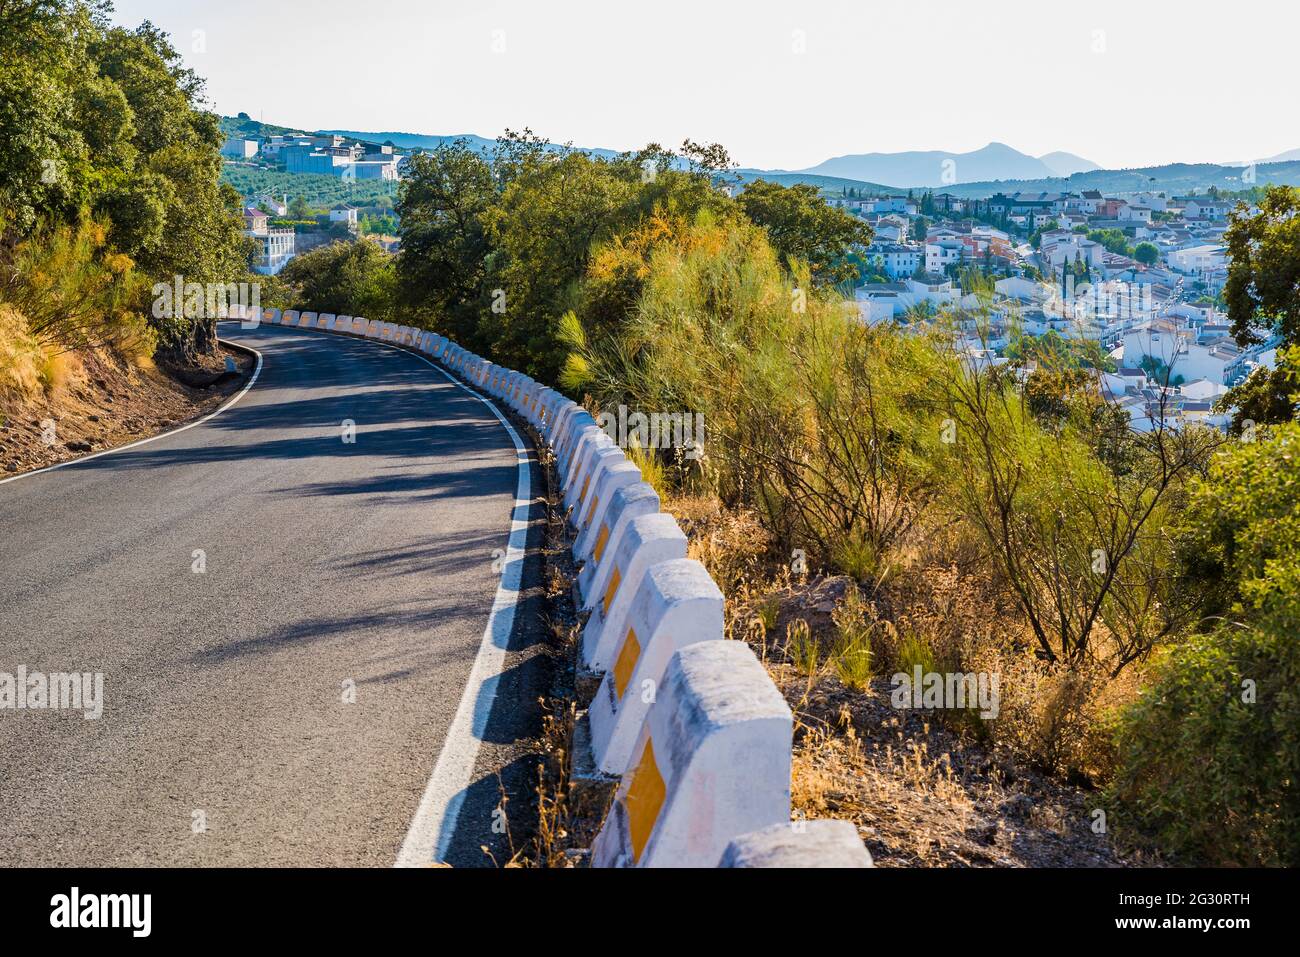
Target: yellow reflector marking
645	796
585	482
626	664
601	540
591	512
613	587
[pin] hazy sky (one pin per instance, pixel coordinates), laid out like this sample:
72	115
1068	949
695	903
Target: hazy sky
780	84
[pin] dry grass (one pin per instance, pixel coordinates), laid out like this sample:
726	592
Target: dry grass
96	400
942	788
564	827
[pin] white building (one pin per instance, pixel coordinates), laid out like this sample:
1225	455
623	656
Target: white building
239	148
343	213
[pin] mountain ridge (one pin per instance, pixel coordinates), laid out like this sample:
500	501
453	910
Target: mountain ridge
1048	170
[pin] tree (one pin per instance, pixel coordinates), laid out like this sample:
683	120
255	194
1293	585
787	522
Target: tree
1263	287
1209	756
106	124
1148	254
355	278
445	245
552	214
802	226
1263	292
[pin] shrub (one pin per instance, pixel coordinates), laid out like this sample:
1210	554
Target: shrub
1210	756
357	278
21	358
801	647
1206	770
852	651
75	292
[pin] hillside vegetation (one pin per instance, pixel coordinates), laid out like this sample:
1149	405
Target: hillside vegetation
1138	594
109	184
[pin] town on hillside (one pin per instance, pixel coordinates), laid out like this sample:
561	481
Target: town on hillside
284	226
1140	275
1137	276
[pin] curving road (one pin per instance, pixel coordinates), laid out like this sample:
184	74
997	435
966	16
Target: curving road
287	704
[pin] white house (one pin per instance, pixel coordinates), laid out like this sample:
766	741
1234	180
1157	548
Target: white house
945	252
896	260
343	213
1198	258
236	147
1202	207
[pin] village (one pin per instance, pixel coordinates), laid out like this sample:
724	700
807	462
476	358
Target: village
1140	275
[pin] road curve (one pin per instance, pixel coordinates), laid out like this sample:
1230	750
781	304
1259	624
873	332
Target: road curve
286	704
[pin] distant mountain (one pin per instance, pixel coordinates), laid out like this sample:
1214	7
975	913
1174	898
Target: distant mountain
1174	179
1290	156
1067	164
978	174
937	168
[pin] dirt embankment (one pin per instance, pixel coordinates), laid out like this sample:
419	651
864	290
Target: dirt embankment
99	402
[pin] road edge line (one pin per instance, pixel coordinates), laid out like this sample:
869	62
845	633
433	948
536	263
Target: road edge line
438	813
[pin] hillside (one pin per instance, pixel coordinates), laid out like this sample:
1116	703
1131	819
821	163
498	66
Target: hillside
414	141
935	167
979	174
1177	178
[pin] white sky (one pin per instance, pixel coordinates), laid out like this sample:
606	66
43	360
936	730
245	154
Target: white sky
1121	82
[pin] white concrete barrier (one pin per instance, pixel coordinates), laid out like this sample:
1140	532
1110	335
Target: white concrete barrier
649	540
589	441
711	763
598	455
545	402
799	844
307	320
572	430
289	317
626	505
607	481
677	604
271	316
325	320
556	428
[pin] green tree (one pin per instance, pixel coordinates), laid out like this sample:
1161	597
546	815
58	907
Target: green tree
103	122
803	226
445	244
1263	292
1148	254
553	212
1209	755
354	278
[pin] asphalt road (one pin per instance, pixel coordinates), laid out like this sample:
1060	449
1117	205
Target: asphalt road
285	705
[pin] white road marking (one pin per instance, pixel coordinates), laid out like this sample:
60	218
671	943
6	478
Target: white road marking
153	438
434	823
